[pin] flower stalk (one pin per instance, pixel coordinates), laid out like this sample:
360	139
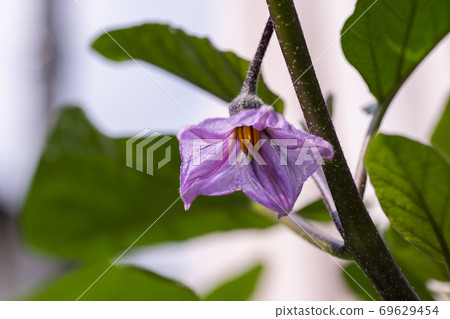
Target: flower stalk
360	234
251	80
361	172
311	234
247	98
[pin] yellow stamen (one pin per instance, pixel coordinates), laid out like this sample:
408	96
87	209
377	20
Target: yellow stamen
249	134
255	135
241	138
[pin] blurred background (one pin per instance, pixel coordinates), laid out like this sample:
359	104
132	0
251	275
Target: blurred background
47	62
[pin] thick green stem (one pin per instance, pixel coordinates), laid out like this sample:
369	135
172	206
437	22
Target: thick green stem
360	234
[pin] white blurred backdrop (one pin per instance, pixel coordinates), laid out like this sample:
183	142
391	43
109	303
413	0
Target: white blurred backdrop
46	62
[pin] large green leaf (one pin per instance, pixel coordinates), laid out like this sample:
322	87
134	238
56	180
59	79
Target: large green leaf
191	58
117	284
387	42
441	135
240	288
411	181
86	203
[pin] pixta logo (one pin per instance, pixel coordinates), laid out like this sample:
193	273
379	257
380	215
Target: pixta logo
148	142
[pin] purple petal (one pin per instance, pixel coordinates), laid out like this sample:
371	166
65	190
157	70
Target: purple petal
205	168
276	183
272	185
280	129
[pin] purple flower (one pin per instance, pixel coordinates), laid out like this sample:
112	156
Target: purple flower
256	151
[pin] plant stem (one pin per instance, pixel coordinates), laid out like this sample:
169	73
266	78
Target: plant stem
360	234
361	172
321	182
251	79
311	234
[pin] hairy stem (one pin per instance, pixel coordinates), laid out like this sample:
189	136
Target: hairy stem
251	79
360	234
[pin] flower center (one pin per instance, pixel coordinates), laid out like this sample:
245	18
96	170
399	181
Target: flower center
247	135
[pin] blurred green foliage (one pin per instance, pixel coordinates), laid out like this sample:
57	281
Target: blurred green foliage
123	282
189	57
316	211
240	288
85	203
117	284
441	135
359	283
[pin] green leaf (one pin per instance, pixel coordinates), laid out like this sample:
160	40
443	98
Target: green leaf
387	42
441	135
240	288
119	283
417	267
85	203
192	58
411	181
410	258
359	283
315	211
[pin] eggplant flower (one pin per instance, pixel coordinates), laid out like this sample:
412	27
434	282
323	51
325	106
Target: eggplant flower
256	151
